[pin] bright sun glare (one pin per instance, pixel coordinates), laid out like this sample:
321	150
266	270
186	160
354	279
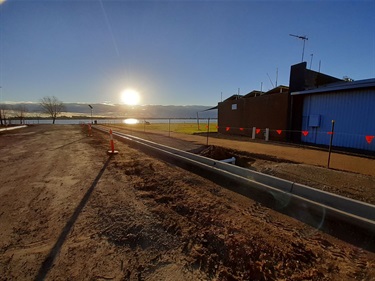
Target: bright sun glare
130	97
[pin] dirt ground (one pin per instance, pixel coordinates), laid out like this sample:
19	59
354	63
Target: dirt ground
69	211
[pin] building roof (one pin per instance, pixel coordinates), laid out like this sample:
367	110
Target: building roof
212	108
253	94
339	86
233	97
278	90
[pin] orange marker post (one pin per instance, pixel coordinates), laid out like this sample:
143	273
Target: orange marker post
89	130
112	151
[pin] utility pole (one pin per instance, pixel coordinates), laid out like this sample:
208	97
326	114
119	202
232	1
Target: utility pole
91	112
304	38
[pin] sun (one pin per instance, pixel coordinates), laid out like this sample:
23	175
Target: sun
130	97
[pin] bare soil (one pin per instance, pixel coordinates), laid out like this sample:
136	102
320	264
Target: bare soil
68	211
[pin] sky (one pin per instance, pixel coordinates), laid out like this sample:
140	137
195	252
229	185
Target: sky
175	52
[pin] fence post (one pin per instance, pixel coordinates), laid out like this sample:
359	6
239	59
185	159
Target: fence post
169	127
253	134
198	121
330	143
267	136
208	129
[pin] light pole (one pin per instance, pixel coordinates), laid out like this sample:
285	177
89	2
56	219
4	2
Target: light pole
91	112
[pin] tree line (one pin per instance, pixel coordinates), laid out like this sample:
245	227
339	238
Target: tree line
51	106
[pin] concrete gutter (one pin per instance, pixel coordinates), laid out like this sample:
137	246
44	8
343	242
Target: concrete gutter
300	201
13	128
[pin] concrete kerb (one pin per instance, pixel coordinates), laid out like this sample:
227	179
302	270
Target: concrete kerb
342	203
282	184
13	128
352	211
348	205
275	198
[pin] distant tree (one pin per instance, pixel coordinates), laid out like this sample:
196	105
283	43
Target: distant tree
37	114
20	112
52	106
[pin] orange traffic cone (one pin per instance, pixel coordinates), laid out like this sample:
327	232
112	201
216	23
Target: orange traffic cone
112	151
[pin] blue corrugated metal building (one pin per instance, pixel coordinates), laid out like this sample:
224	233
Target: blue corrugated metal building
350	104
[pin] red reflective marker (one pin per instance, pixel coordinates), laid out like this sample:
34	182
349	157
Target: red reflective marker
369	139
305	133
279	131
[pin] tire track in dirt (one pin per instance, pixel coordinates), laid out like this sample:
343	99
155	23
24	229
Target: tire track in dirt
218	248
39	185
148	220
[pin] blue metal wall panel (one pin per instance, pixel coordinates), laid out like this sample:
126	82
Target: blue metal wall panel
354	115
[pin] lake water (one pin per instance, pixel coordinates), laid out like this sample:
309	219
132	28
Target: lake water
115	121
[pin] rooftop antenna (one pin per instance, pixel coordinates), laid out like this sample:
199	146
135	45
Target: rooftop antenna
311	59
304	38
277	75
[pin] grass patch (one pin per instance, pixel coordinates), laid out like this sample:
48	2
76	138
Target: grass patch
185	128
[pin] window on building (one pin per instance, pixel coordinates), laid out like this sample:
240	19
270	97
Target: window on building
234	106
